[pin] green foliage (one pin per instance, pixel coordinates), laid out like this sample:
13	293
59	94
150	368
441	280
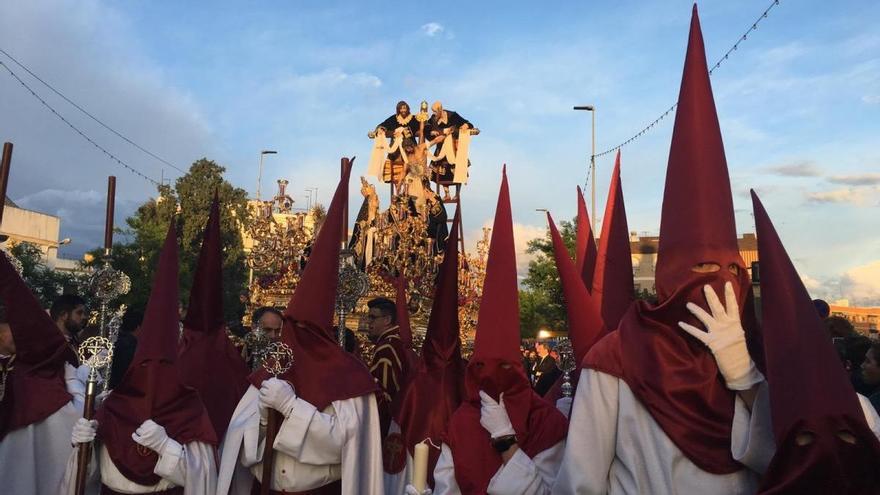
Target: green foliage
46	283
541	301
190	199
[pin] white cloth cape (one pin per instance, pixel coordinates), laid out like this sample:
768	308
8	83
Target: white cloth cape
520	476
615	446
33	458
312	447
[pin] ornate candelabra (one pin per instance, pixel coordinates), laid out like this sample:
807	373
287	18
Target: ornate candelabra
567	364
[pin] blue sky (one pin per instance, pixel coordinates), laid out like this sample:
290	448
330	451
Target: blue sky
799	104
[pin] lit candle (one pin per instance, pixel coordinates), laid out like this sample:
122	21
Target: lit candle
420	467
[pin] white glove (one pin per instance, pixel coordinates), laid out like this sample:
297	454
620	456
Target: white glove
493	416
411	490
564	406
279	395
151	436
726	338
83	431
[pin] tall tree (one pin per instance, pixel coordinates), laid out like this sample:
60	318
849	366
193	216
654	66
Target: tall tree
190	199
541	300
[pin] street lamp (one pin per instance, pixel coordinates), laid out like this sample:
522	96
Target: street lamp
592	110
260	176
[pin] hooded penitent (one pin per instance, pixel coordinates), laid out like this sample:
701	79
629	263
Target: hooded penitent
34	388
823	444
437	386
322	371
208	361
151	387
584	323
496	367
585	247
613	283
673	375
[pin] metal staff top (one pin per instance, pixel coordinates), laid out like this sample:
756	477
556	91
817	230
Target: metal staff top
278	358
96	352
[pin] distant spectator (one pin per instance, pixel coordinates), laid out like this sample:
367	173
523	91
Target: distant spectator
126	344
852	352
871	375
69	313
839	326
822	308
269	320
544	370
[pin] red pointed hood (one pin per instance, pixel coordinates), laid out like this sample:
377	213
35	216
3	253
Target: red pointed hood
208	362
151	387
442	341
585	254
613	286
35	390
672	374
400	303
697	222
318	360
810	392
585	326
496	367
205	310
437	386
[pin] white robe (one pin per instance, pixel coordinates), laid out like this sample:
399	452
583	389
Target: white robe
395	483
616	447
312	448
33	458
192	466
520	476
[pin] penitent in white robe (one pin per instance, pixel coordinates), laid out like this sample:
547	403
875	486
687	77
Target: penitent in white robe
520	476
33	458
192	466
312	448
615	446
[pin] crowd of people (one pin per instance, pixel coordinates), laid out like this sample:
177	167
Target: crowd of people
696	392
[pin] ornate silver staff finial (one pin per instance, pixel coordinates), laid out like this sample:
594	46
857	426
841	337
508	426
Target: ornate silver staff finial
353	284
278	358
567	365
97	353
257	343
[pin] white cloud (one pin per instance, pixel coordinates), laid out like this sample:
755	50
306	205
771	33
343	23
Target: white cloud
863	196
331	78
868	179
801	168
432	29
861	285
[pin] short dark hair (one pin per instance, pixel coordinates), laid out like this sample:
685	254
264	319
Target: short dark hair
131	320
386	306
65	303
839	326
262	310
855	348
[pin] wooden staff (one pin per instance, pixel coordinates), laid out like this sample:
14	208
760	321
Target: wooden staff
96	352
4	177
278	359
108	221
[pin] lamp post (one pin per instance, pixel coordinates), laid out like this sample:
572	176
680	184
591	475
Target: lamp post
592	110
260	175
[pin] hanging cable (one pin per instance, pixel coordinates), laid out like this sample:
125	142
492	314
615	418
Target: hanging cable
76	129
89	115
724	58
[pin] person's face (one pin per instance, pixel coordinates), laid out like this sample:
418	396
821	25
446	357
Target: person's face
714	267
403	110
377	323
437	108
7	345
871	368
73	321
532	355
541	349
271	324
